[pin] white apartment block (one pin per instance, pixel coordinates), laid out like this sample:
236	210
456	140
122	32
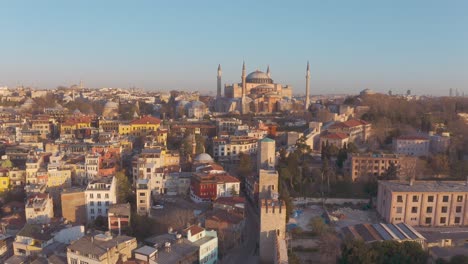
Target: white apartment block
39	208
143	197
230	148
99	195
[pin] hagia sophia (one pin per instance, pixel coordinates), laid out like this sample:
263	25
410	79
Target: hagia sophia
256	93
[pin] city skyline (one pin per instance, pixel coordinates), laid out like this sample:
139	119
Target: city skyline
420	46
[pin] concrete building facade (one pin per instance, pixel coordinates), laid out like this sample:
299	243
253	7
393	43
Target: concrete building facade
423	203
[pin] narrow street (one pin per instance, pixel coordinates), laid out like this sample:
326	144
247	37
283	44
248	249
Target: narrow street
246	252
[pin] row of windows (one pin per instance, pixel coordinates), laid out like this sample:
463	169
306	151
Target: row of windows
443	220
99	210
99	203
430	198
429	209
91	195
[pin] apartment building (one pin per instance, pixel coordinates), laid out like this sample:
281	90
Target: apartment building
371	165
39	208
143	197
229	148
412	145
99	195
101	248
357	130
423	203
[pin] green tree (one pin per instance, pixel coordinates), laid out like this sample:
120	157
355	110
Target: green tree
245	164
124	188
233	191
318	226
391	173
7	164
200	144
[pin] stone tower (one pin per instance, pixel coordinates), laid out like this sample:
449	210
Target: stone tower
218	94
268	71
266	154
307	102
268	184
272	227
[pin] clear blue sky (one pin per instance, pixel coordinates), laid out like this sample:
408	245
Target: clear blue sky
420	45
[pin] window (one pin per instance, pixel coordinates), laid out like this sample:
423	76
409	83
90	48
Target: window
399	210
430	199
99	210
398	219
459	198
445	198
414	209
443	220
458	209
429	209
144	194
444	209
107	203
457	220
91	195
73	261
99	203
92	211
415	198
107	195
91	203
99	196
399	198
428	220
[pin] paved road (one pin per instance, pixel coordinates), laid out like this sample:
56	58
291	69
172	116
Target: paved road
246	252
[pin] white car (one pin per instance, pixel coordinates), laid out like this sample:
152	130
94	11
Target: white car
157	206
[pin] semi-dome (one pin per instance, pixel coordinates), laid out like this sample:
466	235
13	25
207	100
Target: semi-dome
203	158
110	109
258	77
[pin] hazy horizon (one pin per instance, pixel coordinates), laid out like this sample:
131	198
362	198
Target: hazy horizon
419	45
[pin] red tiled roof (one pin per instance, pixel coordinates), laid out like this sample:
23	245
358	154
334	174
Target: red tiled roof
335	136
226	178
193	230
224	216
146	120
233	200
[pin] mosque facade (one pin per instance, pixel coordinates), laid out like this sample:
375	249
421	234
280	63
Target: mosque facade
257	93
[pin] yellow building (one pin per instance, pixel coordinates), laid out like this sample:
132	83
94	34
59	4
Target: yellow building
125	129
140	127
145	125
110	125
72	124
4	183
59	178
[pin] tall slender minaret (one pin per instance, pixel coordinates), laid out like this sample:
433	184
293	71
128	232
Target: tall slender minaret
307	102
268	71
243	80
218	94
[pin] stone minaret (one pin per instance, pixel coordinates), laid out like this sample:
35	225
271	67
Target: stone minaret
307	102
268	71
218	94
243	80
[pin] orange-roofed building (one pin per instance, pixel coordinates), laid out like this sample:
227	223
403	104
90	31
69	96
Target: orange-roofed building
356	129
335	139
141	126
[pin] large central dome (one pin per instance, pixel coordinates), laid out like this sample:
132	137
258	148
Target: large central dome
258	77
